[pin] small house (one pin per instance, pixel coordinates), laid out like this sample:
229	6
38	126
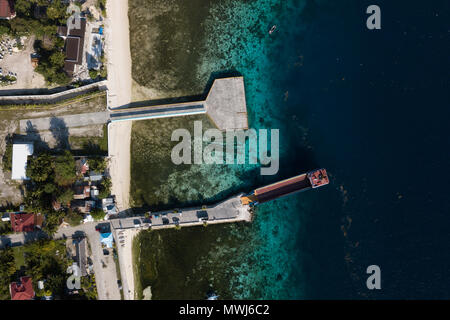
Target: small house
22	289
26	222
7	9
82	166
82	192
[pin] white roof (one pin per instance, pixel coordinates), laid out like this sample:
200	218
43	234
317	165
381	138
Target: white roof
19	160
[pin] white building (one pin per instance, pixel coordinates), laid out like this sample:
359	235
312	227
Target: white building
21	151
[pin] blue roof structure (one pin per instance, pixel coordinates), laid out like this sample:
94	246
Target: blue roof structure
107	239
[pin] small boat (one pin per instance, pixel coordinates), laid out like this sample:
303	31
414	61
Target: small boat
211	295
272	29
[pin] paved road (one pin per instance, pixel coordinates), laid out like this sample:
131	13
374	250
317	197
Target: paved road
63	122
104	266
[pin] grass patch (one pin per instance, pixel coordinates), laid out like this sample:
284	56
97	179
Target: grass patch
19	256
7	156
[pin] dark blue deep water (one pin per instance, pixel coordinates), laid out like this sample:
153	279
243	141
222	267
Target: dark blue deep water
375	104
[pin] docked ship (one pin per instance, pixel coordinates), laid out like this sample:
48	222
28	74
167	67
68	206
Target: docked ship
310	180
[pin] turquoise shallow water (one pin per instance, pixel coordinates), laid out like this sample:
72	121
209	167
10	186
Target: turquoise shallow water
239	40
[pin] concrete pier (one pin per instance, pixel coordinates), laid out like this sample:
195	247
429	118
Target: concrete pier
230	210
225	105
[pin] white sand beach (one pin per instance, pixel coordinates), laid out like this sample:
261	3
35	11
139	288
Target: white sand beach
119	94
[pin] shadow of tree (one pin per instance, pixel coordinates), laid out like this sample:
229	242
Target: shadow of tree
60	132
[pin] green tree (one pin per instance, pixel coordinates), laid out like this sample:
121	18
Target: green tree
23	7
7	156
52	222
49	188
40	168
97	214
97	164
66	196
57	59
104	188
73	218
7	270
93	74
65	171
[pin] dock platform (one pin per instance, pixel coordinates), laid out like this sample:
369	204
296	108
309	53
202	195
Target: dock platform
230	210
225	105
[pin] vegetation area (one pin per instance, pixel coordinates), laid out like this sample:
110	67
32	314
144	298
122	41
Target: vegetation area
102	6
100	74
97	214
5	228
7	272
41	18
6	80
51	179
46	261
7	156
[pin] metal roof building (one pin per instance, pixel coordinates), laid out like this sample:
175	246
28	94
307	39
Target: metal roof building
21	151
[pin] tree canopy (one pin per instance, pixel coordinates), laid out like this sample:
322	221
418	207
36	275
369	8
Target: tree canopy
65	170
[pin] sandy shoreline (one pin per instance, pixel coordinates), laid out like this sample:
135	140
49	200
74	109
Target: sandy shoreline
119	134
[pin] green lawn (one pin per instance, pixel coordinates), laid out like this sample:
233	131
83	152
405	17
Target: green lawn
19	256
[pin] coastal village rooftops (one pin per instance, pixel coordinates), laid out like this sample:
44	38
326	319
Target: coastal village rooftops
7	9
21	151
82	192
82	166
95	176
25	222
22	290
72	49
83	206
74	45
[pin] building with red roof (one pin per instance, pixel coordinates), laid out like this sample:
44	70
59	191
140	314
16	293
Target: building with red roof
7	9
22	290
25	222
